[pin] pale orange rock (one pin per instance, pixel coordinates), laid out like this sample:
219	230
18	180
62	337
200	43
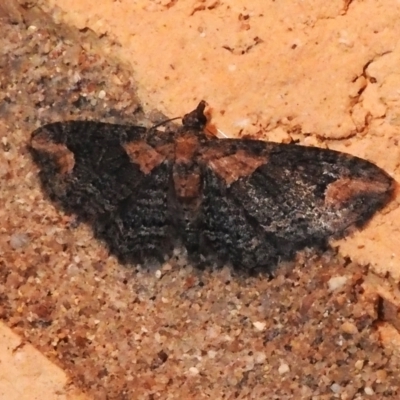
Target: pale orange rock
389	335
273	69
28	375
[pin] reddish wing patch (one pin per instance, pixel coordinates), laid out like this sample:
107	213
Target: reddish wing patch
144	155
60	154
235	166
343	190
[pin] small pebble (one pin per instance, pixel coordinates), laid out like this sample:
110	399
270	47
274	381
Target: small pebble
260	357
336	388
19	240
337	282
260	326
193	371
283	369
381	376
349	327
211	354
369	391
359	364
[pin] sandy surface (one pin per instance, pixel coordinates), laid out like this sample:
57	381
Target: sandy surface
123	333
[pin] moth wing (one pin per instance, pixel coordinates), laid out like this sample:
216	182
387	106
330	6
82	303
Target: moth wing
91	170
264	201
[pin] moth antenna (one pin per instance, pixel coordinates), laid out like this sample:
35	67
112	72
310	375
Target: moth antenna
164	122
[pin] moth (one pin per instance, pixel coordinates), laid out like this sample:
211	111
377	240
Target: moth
243	201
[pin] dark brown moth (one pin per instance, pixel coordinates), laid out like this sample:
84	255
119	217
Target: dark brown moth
242	201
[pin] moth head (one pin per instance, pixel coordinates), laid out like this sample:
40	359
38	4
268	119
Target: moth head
196	119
